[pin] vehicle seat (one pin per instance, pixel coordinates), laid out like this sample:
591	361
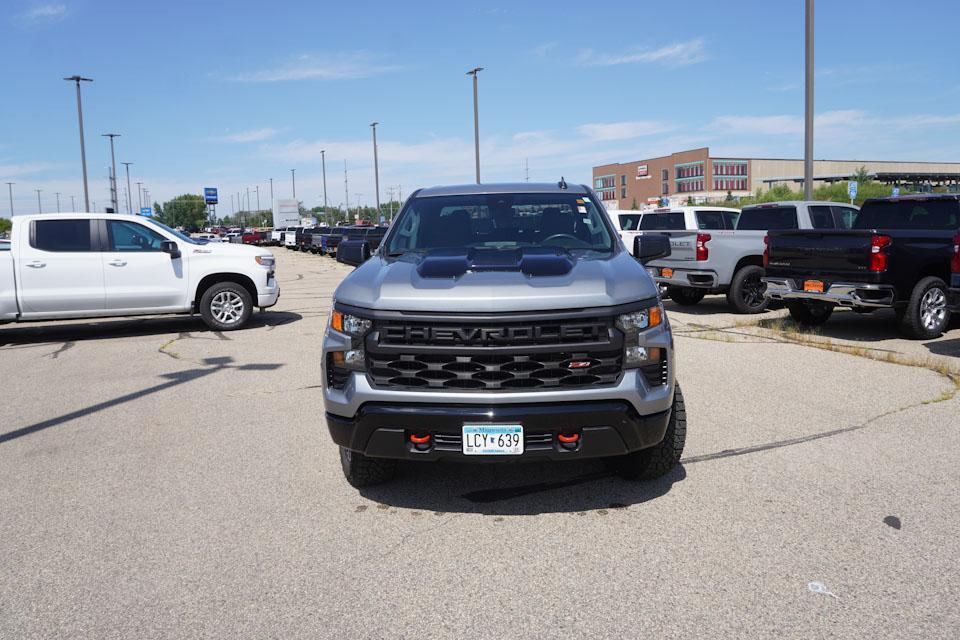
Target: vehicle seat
451	230
554	221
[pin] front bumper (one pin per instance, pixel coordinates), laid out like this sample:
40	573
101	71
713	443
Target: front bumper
606	428
845	294
268	295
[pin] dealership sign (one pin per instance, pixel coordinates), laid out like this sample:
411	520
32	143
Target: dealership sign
642	172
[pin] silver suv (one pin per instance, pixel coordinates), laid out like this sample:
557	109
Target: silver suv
500	323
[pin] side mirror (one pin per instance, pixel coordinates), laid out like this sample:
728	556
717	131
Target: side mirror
171	247
649	248
353	252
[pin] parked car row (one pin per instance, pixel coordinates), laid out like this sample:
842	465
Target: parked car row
323	240
899	253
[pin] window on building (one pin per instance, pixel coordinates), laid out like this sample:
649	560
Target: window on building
665	188
623	192
665	174
623	180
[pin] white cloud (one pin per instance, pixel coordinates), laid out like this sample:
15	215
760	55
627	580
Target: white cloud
251	135
39	13
26	169
676	55
327	66
757	125
542	50
623	130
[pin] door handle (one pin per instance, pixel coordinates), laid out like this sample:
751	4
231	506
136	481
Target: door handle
118	263
37	264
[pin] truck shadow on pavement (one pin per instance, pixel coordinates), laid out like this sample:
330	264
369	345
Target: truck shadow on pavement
209	366
950	347
855	327
127	327
516	489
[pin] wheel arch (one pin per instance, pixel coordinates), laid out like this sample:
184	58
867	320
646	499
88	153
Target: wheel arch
215	278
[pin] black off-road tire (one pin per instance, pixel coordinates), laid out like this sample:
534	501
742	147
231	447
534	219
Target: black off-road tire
660	459
746	290
363	471
912	323
685	296
810	313
211	306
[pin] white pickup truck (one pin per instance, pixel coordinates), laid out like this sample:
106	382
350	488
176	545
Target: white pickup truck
81	265
719	254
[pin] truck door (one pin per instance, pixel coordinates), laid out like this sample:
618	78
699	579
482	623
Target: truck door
138	276
60	272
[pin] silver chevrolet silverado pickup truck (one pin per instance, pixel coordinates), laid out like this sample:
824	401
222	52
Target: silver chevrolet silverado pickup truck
499	323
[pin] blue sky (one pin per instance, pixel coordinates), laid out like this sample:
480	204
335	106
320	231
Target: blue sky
232	94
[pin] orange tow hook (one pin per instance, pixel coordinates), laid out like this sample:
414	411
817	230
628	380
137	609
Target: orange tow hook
421	443
568	440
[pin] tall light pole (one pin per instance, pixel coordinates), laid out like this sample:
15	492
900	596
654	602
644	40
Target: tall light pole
476	119
10	189
258	198
808	108
129	196
57	193
39	208
271	193
323	162
376	168
293	178
73	204
83	150
113	177
346	189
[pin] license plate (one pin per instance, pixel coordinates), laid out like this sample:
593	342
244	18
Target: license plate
492	439
814	286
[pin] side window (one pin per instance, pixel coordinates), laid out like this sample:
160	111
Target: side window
730	218
130	236
61	235
710	220
821	217
847	216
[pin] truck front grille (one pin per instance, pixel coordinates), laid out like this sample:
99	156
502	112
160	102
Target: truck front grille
495	371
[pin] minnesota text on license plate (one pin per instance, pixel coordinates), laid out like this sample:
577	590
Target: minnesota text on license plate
492	439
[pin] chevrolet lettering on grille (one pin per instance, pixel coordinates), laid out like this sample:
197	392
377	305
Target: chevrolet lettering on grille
483	336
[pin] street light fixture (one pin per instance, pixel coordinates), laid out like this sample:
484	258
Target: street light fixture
476	119
113	177
83	150
376	167
129	195
293	177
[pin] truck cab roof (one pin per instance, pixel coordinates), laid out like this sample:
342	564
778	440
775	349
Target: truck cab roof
503	187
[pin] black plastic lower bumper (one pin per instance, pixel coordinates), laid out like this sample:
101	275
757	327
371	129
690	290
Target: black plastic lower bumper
606	428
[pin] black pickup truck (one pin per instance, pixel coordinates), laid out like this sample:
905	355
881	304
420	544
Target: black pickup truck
902	253
305	239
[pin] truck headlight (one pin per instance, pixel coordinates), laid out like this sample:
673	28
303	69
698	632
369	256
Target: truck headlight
266	261
356	327
633	325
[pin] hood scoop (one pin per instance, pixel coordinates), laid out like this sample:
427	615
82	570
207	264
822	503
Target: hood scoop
531	261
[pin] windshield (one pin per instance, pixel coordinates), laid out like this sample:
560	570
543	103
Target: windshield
768	219
629	222
909	214
501	221
179	235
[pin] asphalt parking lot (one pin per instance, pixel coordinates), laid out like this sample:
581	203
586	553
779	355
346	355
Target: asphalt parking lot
161	480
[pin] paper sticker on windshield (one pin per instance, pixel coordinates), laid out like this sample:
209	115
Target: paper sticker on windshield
582	209
579	201
586	199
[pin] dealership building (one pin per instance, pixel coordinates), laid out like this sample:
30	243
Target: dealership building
697	175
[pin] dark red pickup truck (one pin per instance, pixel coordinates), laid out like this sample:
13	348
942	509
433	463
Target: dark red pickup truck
902	253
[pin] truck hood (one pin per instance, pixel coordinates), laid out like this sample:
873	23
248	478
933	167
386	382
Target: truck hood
399	285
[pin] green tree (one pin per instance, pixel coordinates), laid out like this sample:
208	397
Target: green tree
5	225
188	210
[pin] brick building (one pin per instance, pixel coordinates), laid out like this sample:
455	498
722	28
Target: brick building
698	175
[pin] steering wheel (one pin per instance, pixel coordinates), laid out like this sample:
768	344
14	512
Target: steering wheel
560	235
